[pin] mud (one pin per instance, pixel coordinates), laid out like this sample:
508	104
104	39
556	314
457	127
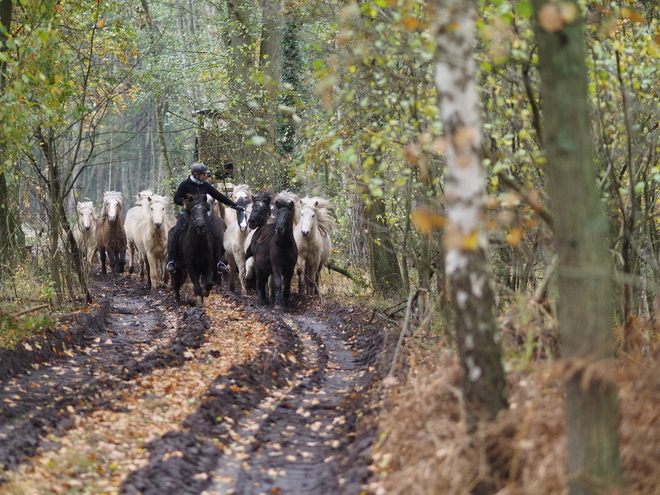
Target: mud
296	419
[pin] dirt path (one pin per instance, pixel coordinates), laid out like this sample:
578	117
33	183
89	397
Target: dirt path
291	441
162	399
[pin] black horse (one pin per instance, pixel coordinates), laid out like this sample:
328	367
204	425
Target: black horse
275	253
220	229
261	211
194	254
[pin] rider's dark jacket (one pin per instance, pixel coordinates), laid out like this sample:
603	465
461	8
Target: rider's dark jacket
190	187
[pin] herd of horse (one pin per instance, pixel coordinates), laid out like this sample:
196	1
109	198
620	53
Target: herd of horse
265	243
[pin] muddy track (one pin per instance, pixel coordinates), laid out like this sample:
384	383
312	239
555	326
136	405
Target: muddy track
291	441
70	369
286	421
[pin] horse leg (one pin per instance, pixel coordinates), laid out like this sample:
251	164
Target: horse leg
286	288
310	279
301	277
152	270
147	269
197	288
102	256
277	282
131	252
208	281
112	260
176	286
262	279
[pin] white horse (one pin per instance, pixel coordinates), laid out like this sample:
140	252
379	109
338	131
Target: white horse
84	231
130	227
234	242
240	192
313	240
149	226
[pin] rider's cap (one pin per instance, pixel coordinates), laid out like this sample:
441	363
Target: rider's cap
199	168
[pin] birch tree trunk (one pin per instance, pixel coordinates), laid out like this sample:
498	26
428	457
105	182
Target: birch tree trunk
581	237
466	264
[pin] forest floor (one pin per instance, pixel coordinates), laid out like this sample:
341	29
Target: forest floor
139	395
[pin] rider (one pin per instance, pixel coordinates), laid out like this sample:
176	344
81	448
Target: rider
196	184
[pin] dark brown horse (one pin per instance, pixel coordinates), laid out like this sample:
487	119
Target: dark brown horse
194	250
110	235
275	253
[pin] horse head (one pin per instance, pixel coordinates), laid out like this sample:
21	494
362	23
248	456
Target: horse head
157	210
86	215
260	211
242	215
112	204
242	191
308	220
284	219
197	209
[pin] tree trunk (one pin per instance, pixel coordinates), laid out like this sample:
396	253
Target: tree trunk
383	263
584	269
10	228
477	334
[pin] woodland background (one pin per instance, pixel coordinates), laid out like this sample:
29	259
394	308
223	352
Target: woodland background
331	98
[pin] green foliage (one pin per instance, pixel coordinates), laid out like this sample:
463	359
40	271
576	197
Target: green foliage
21	290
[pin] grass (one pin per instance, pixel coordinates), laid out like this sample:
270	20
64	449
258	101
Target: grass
25	312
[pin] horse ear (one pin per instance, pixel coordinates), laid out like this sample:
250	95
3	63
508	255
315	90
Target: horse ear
290	205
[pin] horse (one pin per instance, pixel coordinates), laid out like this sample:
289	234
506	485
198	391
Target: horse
150	237
194	250
312	236
240	192
261	214
234	243
275	253
110	235
130	227
84	231
217	215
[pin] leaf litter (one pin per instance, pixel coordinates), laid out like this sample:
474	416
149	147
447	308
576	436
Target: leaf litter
175	402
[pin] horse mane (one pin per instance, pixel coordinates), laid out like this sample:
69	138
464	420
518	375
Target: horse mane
142	195
242	188
322	207
86	204
114	194
288	197
159	198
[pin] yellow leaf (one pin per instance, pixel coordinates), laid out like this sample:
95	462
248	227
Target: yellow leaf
514	237
632	15
410	23
471	241
426	220
100	23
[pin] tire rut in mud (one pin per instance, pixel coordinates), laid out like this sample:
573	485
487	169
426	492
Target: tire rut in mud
68	372
284	422
297	437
